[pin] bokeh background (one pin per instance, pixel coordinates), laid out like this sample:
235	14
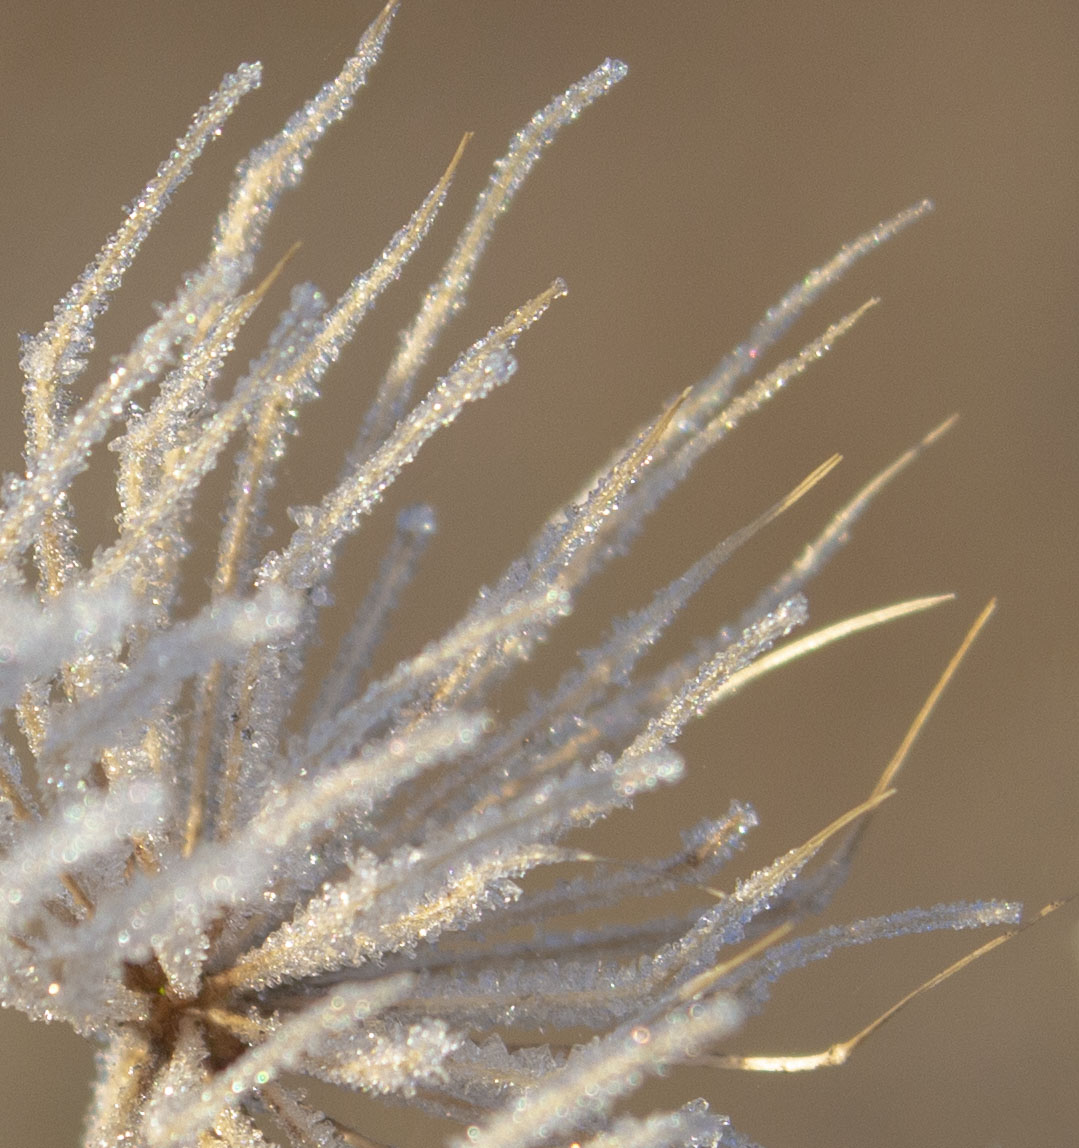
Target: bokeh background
749	141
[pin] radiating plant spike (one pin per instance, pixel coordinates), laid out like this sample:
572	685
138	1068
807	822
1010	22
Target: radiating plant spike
227	886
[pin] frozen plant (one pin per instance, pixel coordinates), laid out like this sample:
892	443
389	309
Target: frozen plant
226	885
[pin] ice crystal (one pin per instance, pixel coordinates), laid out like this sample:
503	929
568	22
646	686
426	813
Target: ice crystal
226	885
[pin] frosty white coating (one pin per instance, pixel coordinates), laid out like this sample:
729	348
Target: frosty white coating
220	888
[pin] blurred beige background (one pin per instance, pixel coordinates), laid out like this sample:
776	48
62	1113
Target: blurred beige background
749	141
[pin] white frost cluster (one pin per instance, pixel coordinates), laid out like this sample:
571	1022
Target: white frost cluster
219	885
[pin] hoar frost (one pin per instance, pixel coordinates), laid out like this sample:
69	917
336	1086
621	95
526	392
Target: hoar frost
225	889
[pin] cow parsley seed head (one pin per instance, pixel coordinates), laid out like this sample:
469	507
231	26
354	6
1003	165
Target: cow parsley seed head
231	877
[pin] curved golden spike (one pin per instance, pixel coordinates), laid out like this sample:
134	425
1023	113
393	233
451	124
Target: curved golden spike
840	1052
843	853
900	755
816	640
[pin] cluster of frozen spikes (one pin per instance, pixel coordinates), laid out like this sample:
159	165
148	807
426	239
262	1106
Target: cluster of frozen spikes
227	890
